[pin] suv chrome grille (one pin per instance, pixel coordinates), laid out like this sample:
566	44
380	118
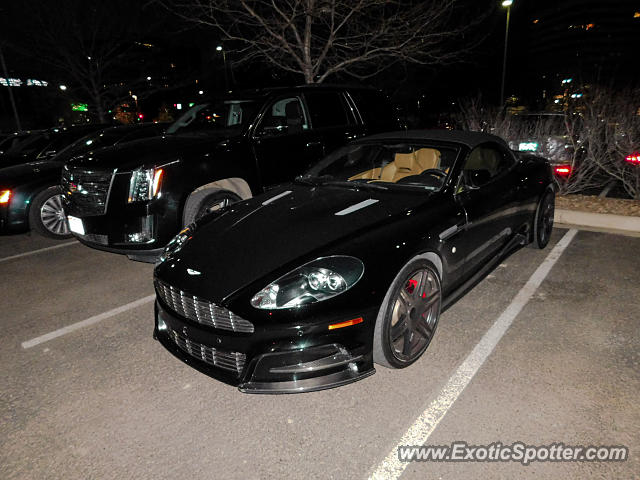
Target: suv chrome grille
87	191
201	311
232	361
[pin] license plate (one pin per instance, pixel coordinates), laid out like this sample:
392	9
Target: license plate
75	225
528	146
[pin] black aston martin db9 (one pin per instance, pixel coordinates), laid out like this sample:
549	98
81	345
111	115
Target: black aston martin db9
309	285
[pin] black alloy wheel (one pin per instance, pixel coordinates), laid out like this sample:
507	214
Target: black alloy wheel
409	316
543	222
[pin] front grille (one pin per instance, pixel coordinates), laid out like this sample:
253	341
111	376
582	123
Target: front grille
232	361
201	311
87	190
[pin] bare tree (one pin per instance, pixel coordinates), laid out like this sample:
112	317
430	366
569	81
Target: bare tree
91	44
563	139
612	119
321	38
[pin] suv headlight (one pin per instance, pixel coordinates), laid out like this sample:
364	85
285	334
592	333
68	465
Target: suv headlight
315	281
176	243
144	184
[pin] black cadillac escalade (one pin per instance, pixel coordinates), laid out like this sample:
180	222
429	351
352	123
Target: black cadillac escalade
133	198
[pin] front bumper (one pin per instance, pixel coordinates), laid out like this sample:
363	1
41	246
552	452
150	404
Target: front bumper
272	359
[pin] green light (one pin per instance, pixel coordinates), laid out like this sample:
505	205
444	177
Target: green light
191	104
79	107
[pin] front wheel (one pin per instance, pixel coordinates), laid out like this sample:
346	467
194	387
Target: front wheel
46	215
210	203
408	316
543	221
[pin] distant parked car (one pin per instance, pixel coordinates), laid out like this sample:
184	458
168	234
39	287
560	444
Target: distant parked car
44	144
554	136
307	286
133	198
30	196
10	140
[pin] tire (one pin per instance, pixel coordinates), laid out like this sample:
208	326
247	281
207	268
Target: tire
543	220
409	313
210	203
46	215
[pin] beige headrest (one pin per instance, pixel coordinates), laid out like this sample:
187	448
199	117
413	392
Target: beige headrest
404	160
427	158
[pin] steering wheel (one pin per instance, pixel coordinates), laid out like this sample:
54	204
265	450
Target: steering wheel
436	172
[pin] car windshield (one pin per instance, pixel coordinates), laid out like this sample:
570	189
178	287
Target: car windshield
29	144
90	142
228	115
388	166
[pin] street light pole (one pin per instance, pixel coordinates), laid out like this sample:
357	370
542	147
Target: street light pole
11	99
224	60
505	3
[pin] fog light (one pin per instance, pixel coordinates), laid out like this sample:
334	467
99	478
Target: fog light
161	325
145	234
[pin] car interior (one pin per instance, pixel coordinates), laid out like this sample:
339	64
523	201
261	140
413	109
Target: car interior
403	165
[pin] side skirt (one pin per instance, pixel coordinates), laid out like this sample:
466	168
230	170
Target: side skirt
517	241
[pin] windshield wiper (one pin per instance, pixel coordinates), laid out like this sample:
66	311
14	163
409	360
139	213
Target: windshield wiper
355	185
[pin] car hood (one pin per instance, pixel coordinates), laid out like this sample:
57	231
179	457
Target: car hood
256	238
146	151
18	174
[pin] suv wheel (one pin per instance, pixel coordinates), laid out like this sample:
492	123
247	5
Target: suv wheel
211	203
46	215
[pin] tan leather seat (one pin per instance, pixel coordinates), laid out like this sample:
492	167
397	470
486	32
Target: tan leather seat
403	165
427	158
373	174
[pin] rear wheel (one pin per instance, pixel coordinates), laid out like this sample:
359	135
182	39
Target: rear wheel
543	221
46	215
408	316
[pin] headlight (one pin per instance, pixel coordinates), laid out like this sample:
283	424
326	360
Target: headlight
144	184
315	281
176	243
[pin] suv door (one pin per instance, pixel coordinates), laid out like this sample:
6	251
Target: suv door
333	118
487	191
283	143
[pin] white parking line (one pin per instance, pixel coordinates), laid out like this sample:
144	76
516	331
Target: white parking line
33	252
84	323
418	433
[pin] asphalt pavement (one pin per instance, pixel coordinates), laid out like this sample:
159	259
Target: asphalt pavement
104	400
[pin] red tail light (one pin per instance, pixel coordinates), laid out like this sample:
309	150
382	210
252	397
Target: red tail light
562	170
633	159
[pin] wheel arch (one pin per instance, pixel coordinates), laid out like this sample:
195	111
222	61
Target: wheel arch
236	185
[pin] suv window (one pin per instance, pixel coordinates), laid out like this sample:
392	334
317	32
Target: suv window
327	109
284	116
484	164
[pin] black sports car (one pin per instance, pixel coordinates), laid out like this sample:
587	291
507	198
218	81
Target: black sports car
309	285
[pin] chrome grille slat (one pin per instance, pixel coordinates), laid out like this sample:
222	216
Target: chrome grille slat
201	311
232	361
95	187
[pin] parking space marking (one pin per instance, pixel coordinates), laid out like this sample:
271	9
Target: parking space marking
85	323
40	250
420	431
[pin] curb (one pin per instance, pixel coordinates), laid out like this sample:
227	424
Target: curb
606	221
